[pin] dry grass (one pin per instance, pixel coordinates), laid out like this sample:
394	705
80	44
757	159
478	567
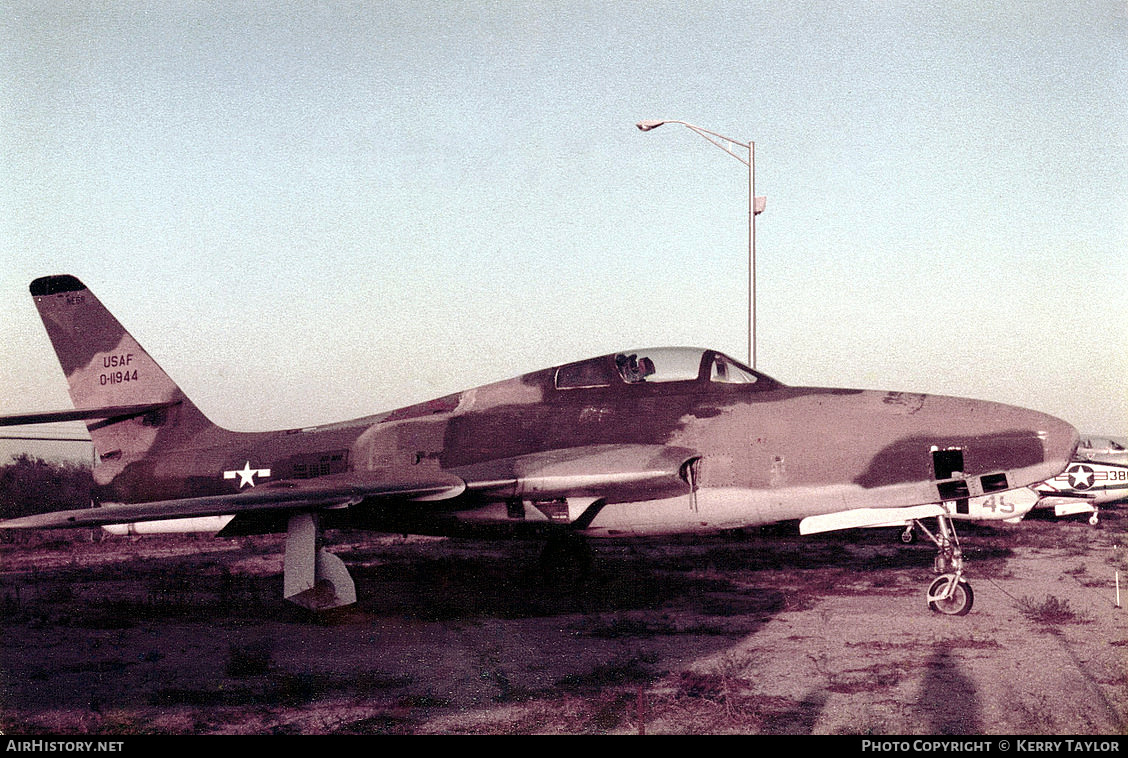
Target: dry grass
1051	611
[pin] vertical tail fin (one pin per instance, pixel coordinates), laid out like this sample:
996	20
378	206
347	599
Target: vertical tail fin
107	368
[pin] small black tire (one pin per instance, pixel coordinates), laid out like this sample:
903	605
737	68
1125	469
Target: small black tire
959	604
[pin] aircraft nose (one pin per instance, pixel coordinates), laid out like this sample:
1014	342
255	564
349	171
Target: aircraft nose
1031	444
966	447
1059	440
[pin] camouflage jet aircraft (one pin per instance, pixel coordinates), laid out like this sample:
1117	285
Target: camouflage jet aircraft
640	442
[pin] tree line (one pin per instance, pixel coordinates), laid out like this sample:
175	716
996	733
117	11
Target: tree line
30	485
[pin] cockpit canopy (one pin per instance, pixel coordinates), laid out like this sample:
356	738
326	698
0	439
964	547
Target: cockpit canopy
655	366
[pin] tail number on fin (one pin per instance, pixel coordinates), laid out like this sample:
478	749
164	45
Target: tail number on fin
118	377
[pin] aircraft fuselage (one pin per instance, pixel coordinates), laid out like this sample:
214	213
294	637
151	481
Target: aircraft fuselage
692	452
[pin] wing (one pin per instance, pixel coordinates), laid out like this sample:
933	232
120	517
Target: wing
865	517
324	492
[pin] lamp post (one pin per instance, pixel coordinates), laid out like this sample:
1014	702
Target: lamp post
755	207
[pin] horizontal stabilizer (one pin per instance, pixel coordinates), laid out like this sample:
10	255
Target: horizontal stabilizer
116	412
862	517
325	492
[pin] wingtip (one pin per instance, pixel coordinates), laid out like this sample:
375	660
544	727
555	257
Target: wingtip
53	285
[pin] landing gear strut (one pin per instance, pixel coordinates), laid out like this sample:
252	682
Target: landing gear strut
949	593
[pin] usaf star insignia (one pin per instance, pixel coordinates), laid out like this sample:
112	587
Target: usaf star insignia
247	474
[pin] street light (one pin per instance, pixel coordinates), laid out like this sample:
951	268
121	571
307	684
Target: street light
755	207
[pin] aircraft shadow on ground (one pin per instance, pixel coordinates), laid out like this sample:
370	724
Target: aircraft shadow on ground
725	575
513	587
722	575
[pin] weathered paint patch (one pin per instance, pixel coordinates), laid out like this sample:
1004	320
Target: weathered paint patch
906	402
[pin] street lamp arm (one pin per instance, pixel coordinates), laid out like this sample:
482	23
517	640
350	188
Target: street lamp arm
713	137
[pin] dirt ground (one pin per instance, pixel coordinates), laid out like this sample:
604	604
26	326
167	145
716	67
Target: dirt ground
756	633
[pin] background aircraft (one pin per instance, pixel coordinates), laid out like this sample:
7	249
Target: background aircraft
1083	487
1103	449
654	441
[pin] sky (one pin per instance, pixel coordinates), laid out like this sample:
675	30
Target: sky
313	211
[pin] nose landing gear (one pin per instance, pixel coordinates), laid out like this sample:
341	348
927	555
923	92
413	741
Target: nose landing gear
949	593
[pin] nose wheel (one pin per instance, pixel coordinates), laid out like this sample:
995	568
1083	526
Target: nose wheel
949	593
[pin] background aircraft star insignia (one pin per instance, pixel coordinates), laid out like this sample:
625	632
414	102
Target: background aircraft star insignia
1080	477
